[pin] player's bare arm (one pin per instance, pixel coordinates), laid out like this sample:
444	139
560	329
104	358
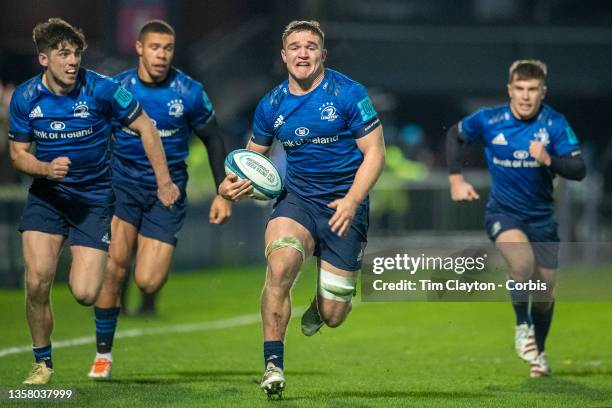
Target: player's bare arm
167	191
24	161
261	149
372	146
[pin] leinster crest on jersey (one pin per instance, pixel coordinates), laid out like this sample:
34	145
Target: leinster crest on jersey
176	108
542	136
328	112
80	109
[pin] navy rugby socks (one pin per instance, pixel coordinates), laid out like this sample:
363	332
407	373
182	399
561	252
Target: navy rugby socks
520	303
542	318
106	323
43	355
273	353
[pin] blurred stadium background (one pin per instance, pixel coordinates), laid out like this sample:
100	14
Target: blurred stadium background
426	63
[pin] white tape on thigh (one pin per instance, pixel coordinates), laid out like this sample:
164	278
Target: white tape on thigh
285	242
335	287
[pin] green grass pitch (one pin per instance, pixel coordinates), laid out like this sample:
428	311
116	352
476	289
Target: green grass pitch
204	349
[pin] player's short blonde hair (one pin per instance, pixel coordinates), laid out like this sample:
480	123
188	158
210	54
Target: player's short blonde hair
304	25
527	69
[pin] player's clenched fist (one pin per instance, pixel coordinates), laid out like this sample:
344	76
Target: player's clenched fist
461	190
538	152
58	168
168	193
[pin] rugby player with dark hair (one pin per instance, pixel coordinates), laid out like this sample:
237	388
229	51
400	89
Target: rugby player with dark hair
67	112
179	106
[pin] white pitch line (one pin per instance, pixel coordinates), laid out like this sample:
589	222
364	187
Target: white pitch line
232	322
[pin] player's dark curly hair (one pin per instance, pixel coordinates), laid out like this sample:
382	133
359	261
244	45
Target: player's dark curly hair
304	25
155	26
53	33
528	69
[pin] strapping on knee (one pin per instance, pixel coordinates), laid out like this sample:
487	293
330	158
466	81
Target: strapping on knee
285	242
335	287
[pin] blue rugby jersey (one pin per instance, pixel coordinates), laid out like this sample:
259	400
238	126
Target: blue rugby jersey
177	106
520	184
318	132
76	125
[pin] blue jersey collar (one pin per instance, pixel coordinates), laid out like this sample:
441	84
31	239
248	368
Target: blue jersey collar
166	81
77	88
325	78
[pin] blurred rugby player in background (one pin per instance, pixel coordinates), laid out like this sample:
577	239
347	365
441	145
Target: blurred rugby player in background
179	106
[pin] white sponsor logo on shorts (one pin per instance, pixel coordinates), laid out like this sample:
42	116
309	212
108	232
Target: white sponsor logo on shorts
361	251
496	228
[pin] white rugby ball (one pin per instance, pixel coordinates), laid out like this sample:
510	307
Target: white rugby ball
250	165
